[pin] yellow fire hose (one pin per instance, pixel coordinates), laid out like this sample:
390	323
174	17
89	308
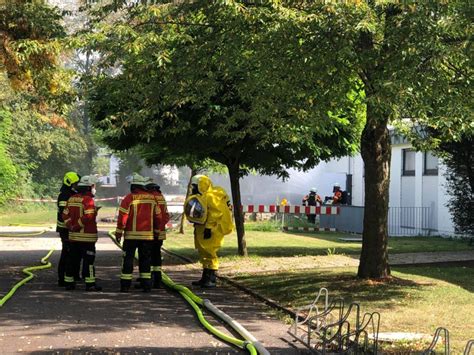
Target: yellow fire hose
13	235
27	271
194	301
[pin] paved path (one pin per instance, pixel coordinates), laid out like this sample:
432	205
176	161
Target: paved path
432	257
42	318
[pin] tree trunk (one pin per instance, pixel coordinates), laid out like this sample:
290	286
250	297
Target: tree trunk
181	223
376	153
238	215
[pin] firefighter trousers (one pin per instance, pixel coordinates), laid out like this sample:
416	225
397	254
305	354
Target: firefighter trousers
78	251
144	262
156	255
64	235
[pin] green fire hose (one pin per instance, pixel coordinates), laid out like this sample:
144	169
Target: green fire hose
14	235
195	302
27	271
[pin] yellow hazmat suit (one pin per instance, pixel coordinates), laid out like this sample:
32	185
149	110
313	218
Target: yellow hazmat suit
209	209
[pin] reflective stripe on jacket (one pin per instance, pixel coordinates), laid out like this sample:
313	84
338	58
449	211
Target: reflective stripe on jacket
64	195
140	216
80	218
164	215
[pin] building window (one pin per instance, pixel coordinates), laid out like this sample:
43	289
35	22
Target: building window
408	162
430	164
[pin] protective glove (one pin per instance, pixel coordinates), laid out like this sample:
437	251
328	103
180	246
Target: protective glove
118	236
207	233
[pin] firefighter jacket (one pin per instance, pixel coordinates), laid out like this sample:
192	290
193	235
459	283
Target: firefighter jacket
64	195
336	199
80	218
140	216
164	216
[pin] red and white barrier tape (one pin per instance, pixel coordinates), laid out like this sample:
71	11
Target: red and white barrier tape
321	210
291	209
50	200
309	229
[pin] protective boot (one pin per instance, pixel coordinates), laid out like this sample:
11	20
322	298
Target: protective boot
203	277
146	285
138	283
93	288
210	281
156	279
125	285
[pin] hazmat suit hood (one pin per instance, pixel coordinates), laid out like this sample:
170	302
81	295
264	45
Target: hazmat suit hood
203	183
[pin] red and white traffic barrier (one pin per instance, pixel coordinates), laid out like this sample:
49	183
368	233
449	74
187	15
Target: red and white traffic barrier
333	210
309	229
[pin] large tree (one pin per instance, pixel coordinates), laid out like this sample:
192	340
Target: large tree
40	132
196	79
413	62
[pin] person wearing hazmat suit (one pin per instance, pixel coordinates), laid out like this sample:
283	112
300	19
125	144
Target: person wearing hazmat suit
209	208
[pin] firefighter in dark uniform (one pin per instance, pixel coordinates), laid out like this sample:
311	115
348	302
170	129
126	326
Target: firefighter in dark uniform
80	218
138	222
312	199
158	237
68	189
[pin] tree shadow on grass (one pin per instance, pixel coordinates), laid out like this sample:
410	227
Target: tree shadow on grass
456	273
295	289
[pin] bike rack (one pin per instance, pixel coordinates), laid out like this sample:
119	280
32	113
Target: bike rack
434	342
334	329
469	346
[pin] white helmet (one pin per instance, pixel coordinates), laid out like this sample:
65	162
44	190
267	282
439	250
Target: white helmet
336	184
137	179
313	189
87	180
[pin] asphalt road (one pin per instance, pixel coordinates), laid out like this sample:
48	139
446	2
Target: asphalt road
43	318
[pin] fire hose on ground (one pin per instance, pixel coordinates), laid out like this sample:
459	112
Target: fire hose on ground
250	343
45	265
13	235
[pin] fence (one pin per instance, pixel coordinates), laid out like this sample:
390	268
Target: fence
402	221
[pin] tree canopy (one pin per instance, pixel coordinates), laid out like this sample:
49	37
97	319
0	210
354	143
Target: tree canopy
274	84
203	85
413	63
41	136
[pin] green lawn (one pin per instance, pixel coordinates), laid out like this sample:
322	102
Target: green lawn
419	299
40	214
279	244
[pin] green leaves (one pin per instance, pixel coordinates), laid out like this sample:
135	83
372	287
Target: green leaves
224	84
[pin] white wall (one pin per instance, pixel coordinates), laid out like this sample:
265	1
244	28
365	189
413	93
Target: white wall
445	223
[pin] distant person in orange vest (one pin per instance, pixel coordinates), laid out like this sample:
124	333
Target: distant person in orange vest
312	199
339	197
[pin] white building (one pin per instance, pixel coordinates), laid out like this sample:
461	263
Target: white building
417	200
417	179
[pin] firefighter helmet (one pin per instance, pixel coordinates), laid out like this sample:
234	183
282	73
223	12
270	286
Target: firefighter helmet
87	180
71	178
137	179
